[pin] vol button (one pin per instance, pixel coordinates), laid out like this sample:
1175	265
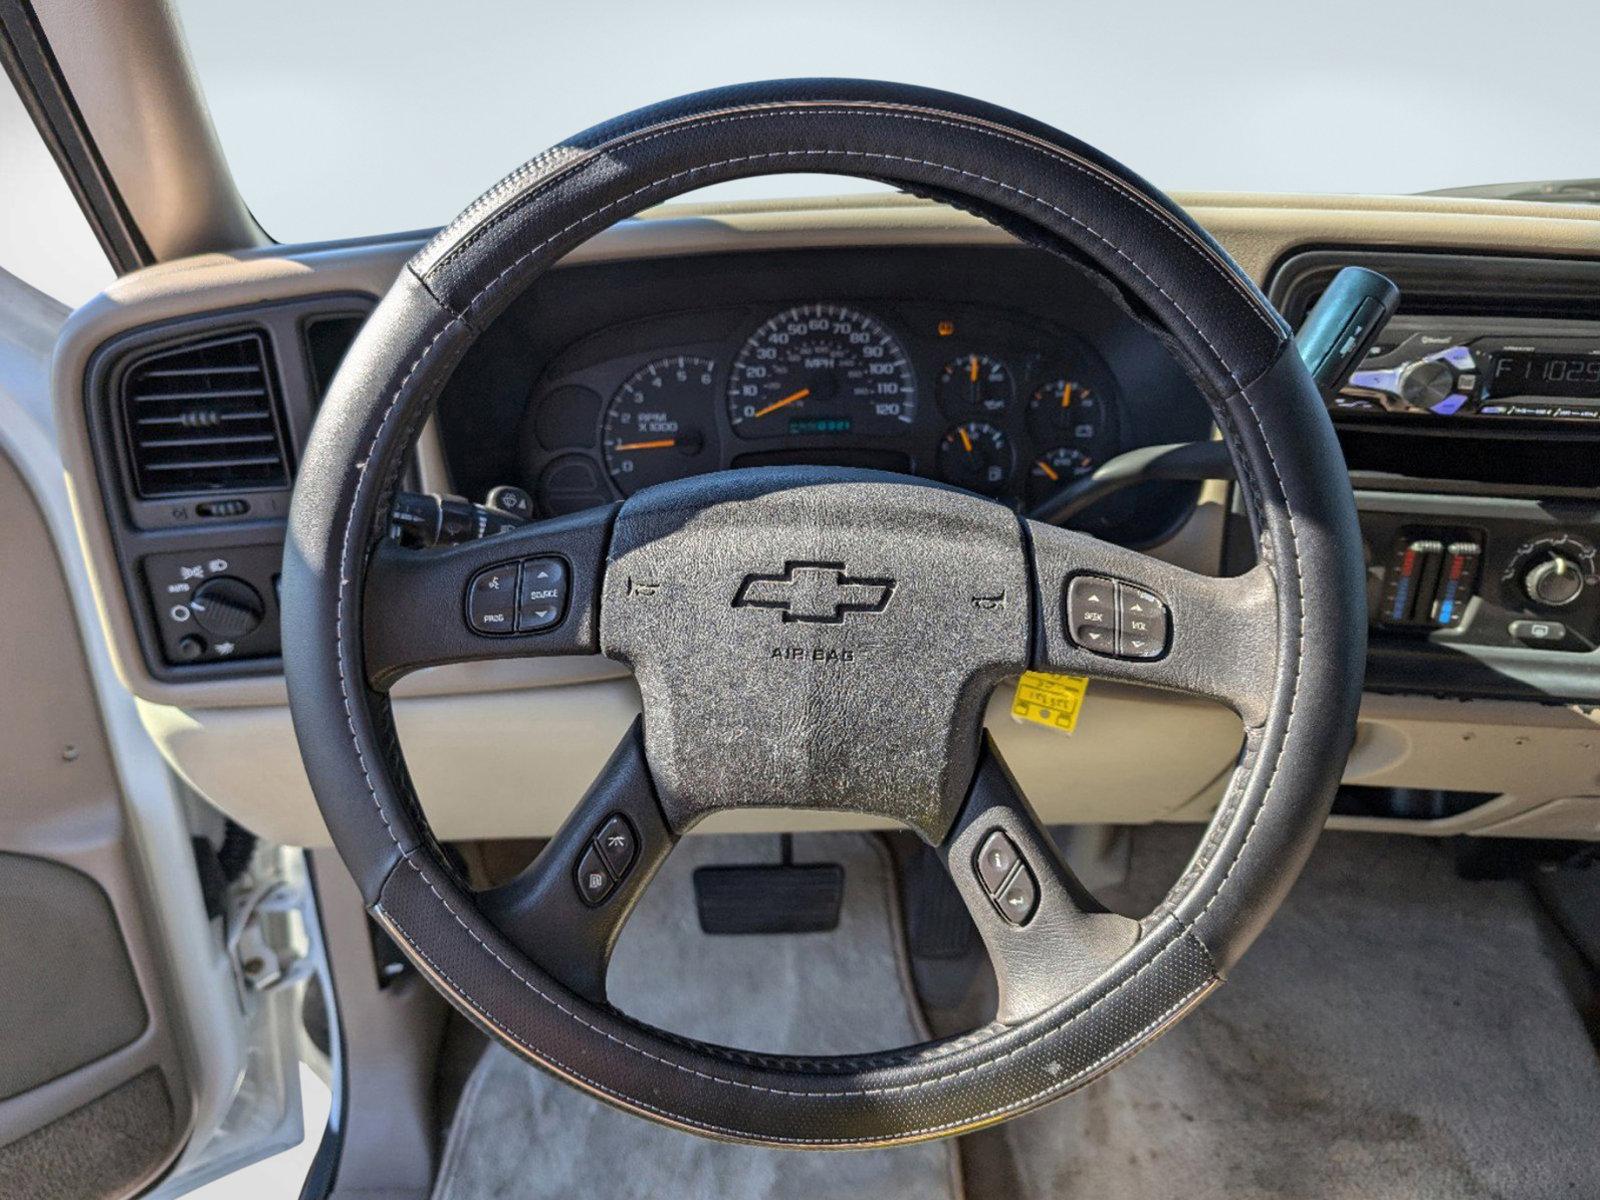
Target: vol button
1141	623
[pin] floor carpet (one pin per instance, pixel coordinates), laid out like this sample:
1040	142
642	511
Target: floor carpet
1396	1034
519	1133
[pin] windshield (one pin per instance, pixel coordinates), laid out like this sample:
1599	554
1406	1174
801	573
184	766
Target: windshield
370	116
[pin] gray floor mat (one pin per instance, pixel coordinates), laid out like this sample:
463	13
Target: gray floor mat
1396	1032
519	1133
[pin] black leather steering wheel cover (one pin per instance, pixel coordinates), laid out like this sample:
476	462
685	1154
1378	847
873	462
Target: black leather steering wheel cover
1163	269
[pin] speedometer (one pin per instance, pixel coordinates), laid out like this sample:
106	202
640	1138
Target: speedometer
821	369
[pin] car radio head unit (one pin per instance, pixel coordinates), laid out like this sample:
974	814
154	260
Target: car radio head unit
1451	372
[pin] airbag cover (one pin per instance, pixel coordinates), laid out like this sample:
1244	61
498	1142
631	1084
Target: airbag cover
772	617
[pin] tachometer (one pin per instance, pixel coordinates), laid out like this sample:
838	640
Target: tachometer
821	368
656	424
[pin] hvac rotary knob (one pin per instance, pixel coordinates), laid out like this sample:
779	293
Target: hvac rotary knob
226	607
1554	581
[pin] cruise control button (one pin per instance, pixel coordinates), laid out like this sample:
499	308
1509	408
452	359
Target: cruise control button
492	600
617	845
594	879
1092	613
1141	623
543	599
1020	897
995	860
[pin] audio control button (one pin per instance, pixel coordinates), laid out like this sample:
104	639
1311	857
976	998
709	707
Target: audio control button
1426	383
542	602
1092	613
1141	623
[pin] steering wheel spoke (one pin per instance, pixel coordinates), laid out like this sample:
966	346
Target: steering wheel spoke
1047	937
566	908
533	590
1114	613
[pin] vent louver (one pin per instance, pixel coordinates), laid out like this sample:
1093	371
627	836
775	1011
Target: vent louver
205	417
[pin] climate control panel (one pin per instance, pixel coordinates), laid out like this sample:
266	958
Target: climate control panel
1553	571
1524	582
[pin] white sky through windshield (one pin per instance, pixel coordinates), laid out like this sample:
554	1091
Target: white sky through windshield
368	116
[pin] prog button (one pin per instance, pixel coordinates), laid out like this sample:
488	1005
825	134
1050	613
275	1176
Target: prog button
492	600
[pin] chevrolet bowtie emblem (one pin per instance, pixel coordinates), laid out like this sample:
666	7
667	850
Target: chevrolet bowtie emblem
819	593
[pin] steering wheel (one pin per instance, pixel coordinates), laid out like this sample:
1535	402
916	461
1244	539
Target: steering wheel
826	639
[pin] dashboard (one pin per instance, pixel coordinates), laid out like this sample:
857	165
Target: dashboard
991	371
974	397
896	335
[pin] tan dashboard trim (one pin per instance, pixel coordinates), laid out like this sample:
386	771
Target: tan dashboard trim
1258	230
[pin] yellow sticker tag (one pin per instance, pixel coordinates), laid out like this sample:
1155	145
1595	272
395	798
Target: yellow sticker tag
1053	701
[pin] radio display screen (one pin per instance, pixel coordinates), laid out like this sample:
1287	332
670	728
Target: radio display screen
1535	373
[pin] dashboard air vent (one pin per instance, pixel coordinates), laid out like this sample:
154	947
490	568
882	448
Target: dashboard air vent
204	417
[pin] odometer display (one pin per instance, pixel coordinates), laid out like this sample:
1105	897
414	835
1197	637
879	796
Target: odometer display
821	368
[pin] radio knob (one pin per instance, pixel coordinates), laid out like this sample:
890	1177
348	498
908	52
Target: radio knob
226	607
1554	581
1423	384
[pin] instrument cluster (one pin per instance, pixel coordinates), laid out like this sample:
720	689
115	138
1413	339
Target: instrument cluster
983	398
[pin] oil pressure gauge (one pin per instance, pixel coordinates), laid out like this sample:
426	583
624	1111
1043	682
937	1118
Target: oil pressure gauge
974	385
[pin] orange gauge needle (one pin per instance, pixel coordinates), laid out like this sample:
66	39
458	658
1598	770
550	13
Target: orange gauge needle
1066	394
659	444
1046	468
777	404
972	369
965	439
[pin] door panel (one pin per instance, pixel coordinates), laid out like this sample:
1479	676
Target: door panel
86	1038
